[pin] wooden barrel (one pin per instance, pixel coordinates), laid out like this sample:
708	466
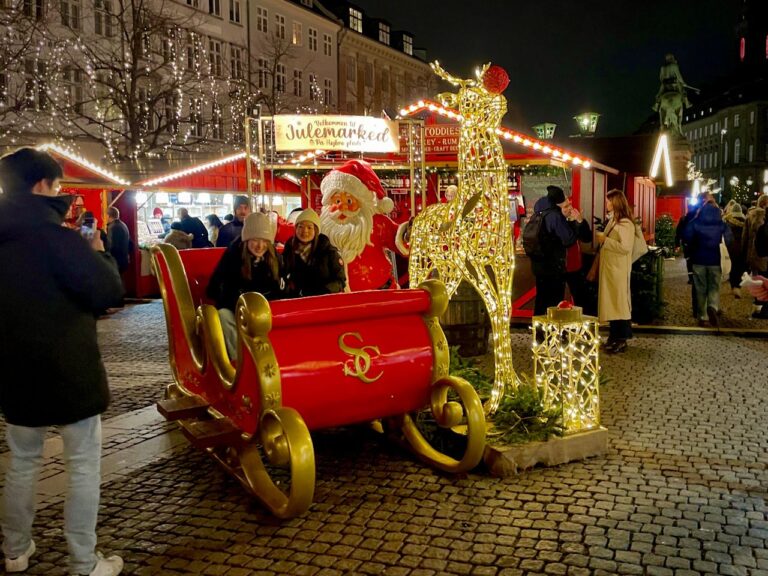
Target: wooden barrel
465	322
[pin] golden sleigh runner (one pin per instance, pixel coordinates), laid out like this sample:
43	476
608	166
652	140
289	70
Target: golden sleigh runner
303	365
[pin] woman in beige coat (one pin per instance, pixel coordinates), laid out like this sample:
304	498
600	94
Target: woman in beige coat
614	298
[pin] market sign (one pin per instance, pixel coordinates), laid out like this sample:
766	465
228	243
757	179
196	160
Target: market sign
441	138
347	133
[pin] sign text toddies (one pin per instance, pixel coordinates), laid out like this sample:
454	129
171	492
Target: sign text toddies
347	133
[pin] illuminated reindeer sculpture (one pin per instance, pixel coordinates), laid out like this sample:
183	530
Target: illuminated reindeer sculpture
470	237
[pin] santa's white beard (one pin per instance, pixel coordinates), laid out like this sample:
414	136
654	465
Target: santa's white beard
350	235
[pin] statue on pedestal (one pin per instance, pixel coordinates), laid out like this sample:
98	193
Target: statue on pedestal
671	98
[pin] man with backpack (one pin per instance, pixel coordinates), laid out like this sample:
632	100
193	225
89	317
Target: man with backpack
554	226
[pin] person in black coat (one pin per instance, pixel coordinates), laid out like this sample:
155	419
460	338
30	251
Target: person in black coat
54	283
311	264
557	234
119	239
249	264
232	230
195	227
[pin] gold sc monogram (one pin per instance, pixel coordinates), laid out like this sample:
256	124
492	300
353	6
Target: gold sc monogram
360	363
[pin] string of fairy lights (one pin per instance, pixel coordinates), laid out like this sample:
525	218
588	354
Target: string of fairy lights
160	88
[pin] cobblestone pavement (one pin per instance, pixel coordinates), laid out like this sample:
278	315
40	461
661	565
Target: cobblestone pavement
736	312
681	490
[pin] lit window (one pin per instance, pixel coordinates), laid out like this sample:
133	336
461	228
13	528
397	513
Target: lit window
296	39
356	20
408	44
384	33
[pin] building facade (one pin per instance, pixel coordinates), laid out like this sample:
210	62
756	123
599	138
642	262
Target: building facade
380	69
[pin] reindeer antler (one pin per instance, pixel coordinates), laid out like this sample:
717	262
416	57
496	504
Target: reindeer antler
440	71
480	73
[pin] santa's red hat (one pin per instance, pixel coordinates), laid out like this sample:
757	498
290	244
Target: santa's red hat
357	177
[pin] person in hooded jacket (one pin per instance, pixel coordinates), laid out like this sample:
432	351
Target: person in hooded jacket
232	230
54	283
703	233
311	264
561	228
735	220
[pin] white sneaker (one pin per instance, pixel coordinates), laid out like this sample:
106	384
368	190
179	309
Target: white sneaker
111	566
21	563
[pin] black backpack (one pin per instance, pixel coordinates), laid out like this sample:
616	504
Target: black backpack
761	240
532	235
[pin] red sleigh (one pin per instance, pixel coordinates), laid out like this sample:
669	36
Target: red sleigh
302	365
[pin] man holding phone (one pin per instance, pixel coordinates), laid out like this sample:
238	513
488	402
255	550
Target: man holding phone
53	283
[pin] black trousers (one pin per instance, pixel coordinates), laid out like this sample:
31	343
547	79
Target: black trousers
619	330
550	291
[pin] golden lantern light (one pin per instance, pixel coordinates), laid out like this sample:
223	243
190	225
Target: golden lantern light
566	365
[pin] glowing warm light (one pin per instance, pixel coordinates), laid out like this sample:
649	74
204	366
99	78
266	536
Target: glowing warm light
474	241
194	169
203	198
505	133
185	198
227	199
566	366
83	162
141	198
662	153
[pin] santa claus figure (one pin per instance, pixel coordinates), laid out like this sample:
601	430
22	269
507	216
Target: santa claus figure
354	219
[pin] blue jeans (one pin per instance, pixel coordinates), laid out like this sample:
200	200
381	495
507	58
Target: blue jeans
706	280
82	458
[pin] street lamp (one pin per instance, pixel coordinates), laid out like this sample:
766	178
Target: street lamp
723	132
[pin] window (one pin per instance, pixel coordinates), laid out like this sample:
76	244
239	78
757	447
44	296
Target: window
214	57
102	18
356	20
312	39
171	106
193	51
298	83
408	44
234	11
751	116
70	13
73	88
280	26
715	162
214	7
327	51
193	3
34	9
35	89
307	3
385	80
351	69
169	45
217	122
313	88
725	152
737	150
236	62
725	123
263	75
328	92
196	116
280	78
296	38
750	152
736	120
262	19
384	33
368	75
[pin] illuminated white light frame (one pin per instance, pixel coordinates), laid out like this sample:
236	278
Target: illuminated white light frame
83	162
193	170
506	133
662	151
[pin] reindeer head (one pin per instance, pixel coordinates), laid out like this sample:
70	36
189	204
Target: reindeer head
485	89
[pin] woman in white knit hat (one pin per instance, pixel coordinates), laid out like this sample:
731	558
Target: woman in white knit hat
312	265
250	264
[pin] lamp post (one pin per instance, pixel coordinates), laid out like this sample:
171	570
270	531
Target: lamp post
723	132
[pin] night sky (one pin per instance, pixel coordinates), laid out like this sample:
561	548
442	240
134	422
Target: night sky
569	56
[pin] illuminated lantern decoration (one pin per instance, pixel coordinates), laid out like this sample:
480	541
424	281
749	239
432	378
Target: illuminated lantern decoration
566	366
